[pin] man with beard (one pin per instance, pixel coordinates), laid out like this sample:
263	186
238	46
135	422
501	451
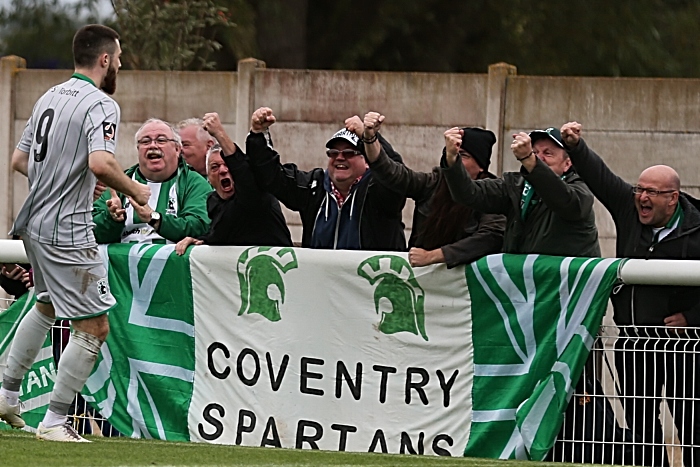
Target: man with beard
177	207
241	214
443	230
342	207
71	137
655	360
196	143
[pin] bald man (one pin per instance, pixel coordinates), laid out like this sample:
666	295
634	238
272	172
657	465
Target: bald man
654	220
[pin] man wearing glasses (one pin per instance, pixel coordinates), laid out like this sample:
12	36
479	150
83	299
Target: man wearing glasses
177	208
548	207
654	220
342	207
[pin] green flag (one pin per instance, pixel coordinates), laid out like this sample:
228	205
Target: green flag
143	378
535	319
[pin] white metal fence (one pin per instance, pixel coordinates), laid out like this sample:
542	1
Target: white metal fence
637	400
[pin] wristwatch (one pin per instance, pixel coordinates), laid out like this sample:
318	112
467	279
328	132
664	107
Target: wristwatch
155	219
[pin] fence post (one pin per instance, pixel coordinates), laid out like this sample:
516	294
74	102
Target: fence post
245	96
8	68
496	107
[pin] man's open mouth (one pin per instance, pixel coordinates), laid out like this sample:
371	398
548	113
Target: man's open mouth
226	183
154	154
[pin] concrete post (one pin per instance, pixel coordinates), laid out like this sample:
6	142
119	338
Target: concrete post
8	68
245	96
496	107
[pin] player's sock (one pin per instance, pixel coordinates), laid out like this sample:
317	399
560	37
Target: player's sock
52	419
12	397
28	341
77	362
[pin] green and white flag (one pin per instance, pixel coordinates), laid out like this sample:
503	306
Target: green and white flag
346	350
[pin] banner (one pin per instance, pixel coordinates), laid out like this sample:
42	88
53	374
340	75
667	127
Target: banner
346	350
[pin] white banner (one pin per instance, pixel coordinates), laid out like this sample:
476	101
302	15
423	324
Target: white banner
293	349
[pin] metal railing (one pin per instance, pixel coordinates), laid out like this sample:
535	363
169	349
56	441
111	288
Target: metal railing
637	400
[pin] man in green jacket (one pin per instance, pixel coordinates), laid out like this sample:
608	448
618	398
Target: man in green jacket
178	204
548	207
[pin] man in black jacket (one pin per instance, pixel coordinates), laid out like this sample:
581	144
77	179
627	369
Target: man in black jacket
548	207
240	213
654	220
443	231
342	207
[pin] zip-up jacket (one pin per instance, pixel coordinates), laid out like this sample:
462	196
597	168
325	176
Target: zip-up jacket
190	218
561	221
643	305
370	218
482	234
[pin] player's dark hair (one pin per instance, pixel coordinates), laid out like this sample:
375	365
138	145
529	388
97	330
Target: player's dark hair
91	41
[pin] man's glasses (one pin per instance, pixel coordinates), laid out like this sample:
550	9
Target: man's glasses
347	153
638	190
160	141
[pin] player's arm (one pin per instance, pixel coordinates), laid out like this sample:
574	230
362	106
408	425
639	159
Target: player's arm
20	161
108	171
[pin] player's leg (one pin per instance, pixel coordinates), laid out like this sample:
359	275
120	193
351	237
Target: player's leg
77	362
28	341
80	293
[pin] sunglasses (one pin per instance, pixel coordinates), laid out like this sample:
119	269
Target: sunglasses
347	153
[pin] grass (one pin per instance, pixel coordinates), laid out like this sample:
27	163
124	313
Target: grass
19	448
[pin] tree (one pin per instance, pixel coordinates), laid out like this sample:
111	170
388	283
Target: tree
170	34
41	31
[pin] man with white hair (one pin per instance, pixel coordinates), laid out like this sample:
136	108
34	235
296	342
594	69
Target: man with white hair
241	213
177	207
654	219
196	142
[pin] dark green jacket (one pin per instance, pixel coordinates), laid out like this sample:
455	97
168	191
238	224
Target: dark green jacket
191	219
562	223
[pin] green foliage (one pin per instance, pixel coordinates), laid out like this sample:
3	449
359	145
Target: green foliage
41	31
170	34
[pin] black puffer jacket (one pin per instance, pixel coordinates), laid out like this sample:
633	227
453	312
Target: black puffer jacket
643	305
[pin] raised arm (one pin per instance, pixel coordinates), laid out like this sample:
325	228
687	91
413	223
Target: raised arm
212	124
610	189
487	195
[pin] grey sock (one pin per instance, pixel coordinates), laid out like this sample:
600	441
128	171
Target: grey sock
28	341
77	362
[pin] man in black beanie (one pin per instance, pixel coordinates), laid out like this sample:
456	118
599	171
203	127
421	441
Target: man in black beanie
549	209
443	231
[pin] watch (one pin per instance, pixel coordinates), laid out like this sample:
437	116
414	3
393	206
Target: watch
155	218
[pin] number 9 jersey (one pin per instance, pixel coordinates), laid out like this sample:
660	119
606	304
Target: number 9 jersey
70	121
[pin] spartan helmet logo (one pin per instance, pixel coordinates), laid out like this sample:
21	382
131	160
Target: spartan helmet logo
260	272
397	287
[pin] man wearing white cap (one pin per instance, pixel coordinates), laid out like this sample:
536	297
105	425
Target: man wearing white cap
342	207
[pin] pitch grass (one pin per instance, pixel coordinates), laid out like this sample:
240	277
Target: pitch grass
19	448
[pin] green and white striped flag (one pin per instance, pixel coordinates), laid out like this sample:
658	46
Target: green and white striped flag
142	382
534	325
